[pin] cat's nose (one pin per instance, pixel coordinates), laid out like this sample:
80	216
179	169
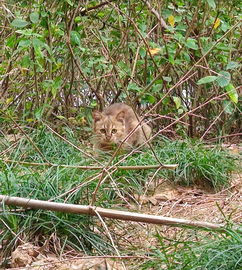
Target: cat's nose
108	137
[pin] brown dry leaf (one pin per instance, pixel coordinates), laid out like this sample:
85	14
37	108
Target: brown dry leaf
153	200
13	137
160	197
24	255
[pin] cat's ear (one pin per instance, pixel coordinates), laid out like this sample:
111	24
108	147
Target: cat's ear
97	116
120	116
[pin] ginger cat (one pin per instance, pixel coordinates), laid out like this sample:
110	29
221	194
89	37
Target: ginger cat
113	125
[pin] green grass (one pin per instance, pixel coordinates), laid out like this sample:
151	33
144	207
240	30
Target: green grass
196	163
215	251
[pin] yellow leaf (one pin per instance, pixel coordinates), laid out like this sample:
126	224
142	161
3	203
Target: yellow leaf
171	20
154	51
217	23
9	100
30	120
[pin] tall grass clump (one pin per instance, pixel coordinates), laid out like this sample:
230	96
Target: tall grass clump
212	252
200	164
197	164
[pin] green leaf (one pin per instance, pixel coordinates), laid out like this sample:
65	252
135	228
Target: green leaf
157	88
148	98
78	19
211	3
28	32
232	65
142	52
207	79
177	101
224	78
229	107
24	43
69	2
191	43
75	38
134	87
11	41
38	43
19	23
34	17
26	61
38	113
167	79
232	93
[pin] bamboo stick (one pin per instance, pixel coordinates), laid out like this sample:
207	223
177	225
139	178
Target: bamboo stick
108	213
139	167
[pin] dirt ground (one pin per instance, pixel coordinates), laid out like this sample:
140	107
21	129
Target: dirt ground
164	199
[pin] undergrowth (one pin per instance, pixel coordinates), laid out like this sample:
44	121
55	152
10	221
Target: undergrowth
72	185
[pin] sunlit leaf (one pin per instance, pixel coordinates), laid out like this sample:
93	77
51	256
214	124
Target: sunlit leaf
232	93
217	23
207	79
171	20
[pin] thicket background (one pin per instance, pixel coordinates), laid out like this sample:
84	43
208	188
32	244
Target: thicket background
60	59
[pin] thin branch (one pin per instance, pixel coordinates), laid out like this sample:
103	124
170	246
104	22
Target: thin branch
156	13
226	136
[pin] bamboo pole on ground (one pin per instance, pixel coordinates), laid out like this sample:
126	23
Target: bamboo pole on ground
139	167
108	213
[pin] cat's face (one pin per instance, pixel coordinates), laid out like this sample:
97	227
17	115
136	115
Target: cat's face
109	129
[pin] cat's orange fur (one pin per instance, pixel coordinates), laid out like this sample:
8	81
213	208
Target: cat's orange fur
113	125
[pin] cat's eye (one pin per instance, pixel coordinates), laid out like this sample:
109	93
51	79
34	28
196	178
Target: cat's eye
102	130
114	131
